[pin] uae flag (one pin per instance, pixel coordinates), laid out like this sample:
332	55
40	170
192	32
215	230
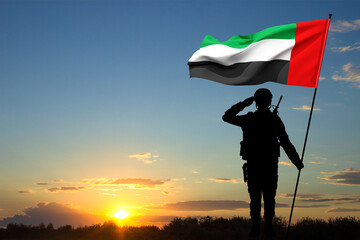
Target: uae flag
288	54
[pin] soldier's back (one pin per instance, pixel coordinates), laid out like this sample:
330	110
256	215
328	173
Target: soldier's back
260	135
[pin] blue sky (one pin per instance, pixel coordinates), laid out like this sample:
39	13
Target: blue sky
101	90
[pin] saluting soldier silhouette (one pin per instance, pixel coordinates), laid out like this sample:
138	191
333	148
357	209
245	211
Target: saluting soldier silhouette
263	134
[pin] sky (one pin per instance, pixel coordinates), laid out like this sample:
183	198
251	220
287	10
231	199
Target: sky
98	113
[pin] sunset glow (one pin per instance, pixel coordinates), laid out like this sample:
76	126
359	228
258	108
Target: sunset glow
121	214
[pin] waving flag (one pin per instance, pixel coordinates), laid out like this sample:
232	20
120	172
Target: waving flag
288	54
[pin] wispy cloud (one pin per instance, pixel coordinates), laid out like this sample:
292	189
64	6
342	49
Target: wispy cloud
109	194
349	48
319	198
285	205
42	183
214	205
56	213
205	205
343	210
312	206
289	195
58	181
349	74
224	180
108	191
347	177
130	182
26	191
285	163
306	108
316	159
145	157
150	220
344	26
57	189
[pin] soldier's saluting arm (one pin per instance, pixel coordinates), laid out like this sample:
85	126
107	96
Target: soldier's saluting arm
230	115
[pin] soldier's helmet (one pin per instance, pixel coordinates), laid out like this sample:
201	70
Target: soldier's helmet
263	97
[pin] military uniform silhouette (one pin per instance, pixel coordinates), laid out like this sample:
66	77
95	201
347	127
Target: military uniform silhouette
263	134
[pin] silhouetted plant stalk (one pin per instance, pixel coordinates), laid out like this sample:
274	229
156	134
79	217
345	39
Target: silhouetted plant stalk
205	228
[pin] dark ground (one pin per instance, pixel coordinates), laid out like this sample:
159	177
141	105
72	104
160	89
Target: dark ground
207	228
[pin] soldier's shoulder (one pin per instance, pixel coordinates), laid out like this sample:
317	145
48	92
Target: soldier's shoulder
276	116
278	122
273	117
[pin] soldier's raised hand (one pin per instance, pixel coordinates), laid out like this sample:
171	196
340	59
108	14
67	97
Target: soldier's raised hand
247	102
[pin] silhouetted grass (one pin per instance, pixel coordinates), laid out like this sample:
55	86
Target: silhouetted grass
207	228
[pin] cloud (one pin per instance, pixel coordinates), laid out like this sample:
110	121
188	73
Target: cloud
57	189
316	162
306	108
311	206
206	205
149	220
343	210
347	177
131	182
279	205
321	198
26	191
289	195
144	157
322	78
350	74
224	180
58	181
108	194
344	26
213	205
158	220
348	48
42	183
56	213
316	159
285	163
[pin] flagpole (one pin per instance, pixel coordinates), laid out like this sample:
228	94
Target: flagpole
302	159
306	137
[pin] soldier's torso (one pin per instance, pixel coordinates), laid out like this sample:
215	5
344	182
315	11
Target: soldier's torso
260	131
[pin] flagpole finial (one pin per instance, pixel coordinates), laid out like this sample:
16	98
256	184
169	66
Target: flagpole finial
330	14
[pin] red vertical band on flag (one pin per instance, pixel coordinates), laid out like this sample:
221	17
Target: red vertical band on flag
306	56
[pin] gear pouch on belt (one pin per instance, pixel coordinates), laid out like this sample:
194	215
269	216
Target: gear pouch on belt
244	150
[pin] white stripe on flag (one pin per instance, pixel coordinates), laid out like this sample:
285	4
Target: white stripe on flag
265	50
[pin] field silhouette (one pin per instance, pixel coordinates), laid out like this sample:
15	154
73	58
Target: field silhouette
206	228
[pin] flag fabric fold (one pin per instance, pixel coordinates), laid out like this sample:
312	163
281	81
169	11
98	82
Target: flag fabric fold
289	54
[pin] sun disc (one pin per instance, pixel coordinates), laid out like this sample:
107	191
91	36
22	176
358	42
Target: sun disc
121	214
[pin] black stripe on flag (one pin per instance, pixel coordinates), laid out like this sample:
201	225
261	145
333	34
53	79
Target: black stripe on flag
251	73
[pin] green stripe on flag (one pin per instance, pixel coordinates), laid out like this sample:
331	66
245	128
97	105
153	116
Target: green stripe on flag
278	32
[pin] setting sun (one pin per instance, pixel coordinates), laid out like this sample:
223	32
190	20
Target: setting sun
121	214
